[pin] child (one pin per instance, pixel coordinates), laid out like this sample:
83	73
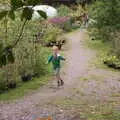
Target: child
55	58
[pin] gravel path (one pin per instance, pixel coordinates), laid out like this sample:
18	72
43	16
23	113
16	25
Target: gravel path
93	84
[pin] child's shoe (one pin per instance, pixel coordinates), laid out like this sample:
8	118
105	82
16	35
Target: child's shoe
58	83
62	82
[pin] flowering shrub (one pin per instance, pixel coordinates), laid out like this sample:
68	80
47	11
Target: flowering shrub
64	22
59	20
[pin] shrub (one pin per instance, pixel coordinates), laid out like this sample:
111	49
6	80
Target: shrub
107	22
51	33
64	11
3	82
40	67
69	17
9	77
112	61
30	58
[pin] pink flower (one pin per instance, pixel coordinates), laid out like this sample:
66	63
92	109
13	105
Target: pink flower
59	20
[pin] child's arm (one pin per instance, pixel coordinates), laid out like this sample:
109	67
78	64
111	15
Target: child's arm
62	58
50	59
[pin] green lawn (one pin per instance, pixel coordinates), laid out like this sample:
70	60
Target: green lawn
25	88
101	48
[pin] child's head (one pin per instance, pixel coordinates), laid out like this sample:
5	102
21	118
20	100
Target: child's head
55	49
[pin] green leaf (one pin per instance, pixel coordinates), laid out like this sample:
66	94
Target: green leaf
27	13
3	14
33	2
42	14
16	4
3	60
11	14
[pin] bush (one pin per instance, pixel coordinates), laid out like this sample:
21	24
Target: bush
9	77
107	23
74	15
64	11
3	82
30	58
50	34
107	28
112	61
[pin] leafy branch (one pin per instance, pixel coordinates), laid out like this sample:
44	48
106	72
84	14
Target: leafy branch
27	12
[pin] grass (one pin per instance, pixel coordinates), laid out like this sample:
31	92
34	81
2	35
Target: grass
84	79
102	112
113	115
98	45
92	77
97	111
102	49
116	95
25	88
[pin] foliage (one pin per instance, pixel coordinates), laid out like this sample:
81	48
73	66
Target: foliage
107	18
74	14
64	10
107	25
69	11
28	62
19	4
78	11
23	62
26	15
51	33
24	88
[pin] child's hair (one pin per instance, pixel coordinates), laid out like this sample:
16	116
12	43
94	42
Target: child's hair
55	48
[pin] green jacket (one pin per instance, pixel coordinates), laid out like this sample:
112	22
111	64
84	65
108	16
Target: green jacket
55	61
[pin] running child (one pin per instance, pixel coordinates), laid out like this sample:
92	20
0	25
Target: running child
56	58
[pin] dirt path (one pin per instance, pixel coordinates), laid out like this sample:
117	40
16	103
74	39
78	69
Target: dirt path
83	85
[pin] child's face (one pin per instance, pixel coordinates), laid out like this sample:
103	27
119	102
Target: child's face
55	51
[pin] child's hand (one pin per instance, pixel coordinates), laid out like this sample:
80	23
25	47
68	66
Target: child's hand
66	60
